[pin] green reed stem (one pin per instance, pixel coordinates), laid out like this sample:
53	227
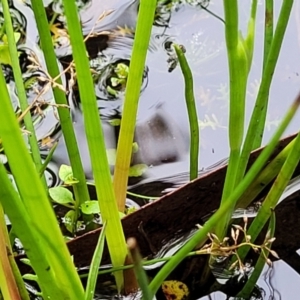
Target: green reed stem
192	111
239	65
94	267
48	159
265	177
80	189
274	194
9	252
140	273
95	139
33	212
133	87
8	284
20	87
268	34
245	293
256	126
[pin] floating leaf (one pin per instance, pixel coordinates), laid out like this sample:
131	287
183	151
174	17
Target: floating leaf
137	170
90	207
66	175
61	195
175	290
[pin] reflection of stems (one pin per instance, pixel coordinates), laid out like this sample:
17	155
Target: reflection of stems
192	112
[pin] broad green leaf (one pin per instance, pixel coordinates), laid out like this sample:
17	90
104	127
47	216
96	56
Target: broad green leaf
66	175
137	170
90	207
69	220
61	195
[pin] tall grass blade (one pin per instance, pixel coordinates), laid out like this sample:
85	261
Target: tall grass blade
268	34
20	87
274	194
17	275
239	65
35	205
8	284
133	87
138	269
265	177
95	139
80	189
94	267
192	111
256	126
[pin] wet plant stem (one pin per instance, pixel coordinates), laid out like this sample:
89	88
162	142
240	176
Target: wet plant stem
138	269
192	111
80	189
238	62
274	194
35	152
132	94
93	273
8	285
268	34
256	126
31	214
95	140
265	177
9	252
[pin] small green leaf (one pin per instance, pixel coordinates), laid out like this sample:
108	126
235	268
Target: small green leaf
26	261
90	207
4	55
66	175
122	70
111	156
31	277
135	147
61	195
69	220
115	122
137	170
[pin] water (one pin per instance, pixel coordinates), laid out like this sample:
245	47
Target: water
162	126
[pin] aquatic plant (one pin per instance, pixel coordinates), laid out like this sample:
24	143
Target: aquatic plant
28	206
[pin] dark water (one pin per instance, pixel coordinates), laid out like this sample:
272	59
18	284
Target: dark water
162	127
